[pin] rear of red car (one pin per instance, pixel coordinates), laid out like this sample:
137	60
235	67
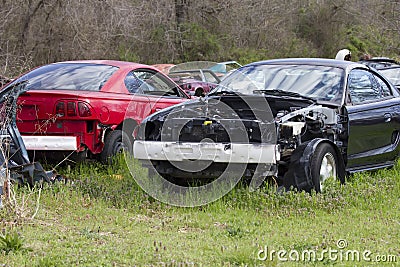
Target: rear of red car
65	121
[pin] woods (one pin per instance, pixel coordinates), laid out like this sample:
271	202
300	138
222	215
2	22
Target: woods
35	32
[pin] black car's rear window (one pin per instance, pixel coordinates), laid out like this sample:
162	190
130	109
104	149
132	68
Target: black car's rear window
68	76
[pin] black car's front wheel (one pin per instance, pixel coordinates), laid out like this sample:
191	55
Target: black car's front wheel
116	141
324	165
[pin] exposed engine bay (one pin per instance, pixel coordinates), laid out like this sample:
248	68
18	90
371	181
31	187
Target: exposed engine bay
281	123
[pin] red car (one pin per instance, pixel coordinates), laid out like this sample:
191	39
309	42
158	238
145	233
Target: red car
89	107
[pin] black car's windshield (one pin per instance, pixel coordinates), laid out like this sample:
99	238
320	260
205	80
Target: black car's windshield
68	76
321	83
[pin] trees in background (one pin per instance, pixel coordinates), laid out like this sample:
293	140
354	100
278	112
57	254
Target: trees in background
34	32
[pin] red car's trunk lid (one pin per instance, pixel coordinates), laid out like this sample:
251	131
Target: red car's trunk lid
39	105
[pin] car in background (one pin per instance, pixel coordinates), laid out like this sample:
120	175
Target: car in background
164	68
85	108
388	67
196	82
379	62
223	69
297	122
393	74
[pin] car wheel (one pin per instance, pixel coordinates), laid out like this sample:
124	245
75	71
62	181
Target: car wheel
199	92
79	157
115	142
323	166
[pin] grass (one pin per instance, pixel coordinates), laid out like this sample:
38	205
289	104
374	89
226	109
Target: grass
102	218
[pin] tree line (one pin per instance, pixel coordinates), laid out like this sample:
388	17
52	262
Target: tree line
35	32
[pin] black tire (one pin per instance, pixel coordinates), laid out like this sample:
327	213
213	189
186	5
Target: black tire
115	142
79	157
324	164
199	92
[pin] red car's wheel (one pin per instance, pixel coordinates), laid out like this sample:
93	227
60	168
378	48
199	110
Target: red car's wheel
115	142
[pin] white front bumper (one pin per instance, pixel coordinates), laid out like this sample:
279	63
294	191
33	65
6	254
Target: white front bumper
216	152
67	143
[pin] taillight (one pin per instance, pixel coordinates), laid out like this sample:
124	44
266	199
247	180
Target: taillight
60	109
84	110
71	109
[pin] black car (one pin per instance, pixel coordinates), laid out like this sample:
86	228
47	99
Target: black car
296	121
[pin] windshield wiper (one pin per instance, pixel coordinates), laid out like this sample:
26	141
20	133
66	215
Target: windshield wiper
223	91
279	92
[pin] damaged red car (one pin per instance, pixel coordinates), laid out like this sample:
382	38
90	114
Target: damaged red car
80	108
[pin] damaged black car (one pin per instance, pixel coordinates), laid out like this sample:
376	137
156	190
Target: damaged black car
296	122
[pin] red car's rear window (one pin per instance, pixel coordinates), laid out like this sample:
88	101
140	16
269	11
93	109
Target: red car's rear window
68	76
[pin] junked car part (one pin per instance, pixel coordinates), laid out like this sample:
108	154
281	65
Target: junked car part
14	161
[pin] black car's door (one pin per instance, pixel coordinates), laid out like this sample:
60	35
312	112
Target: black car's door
373	121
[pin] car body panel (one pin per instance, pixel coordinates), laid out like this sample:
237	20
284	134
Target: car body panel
373	133
181	151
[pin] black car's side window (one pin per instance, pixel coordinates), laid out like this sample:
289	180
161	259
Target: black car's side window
364	86
385	88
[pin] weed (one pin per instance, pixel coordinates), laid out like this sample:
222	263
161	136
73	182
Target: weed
235	232
22	204
103	218
12	241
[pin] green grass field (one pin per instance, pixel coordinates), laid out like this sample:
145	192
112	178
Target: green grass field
102	218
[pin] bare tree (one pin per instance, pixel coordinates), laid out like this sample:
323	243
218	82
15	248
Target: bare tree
34	32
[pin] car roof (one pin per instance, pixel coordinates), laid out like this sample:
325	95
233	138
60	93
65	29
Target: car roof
115	63
192	70
311	61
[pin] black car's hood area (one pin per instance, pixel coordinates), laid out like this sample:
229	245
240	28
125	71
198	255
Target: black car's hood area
224	118
263	107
